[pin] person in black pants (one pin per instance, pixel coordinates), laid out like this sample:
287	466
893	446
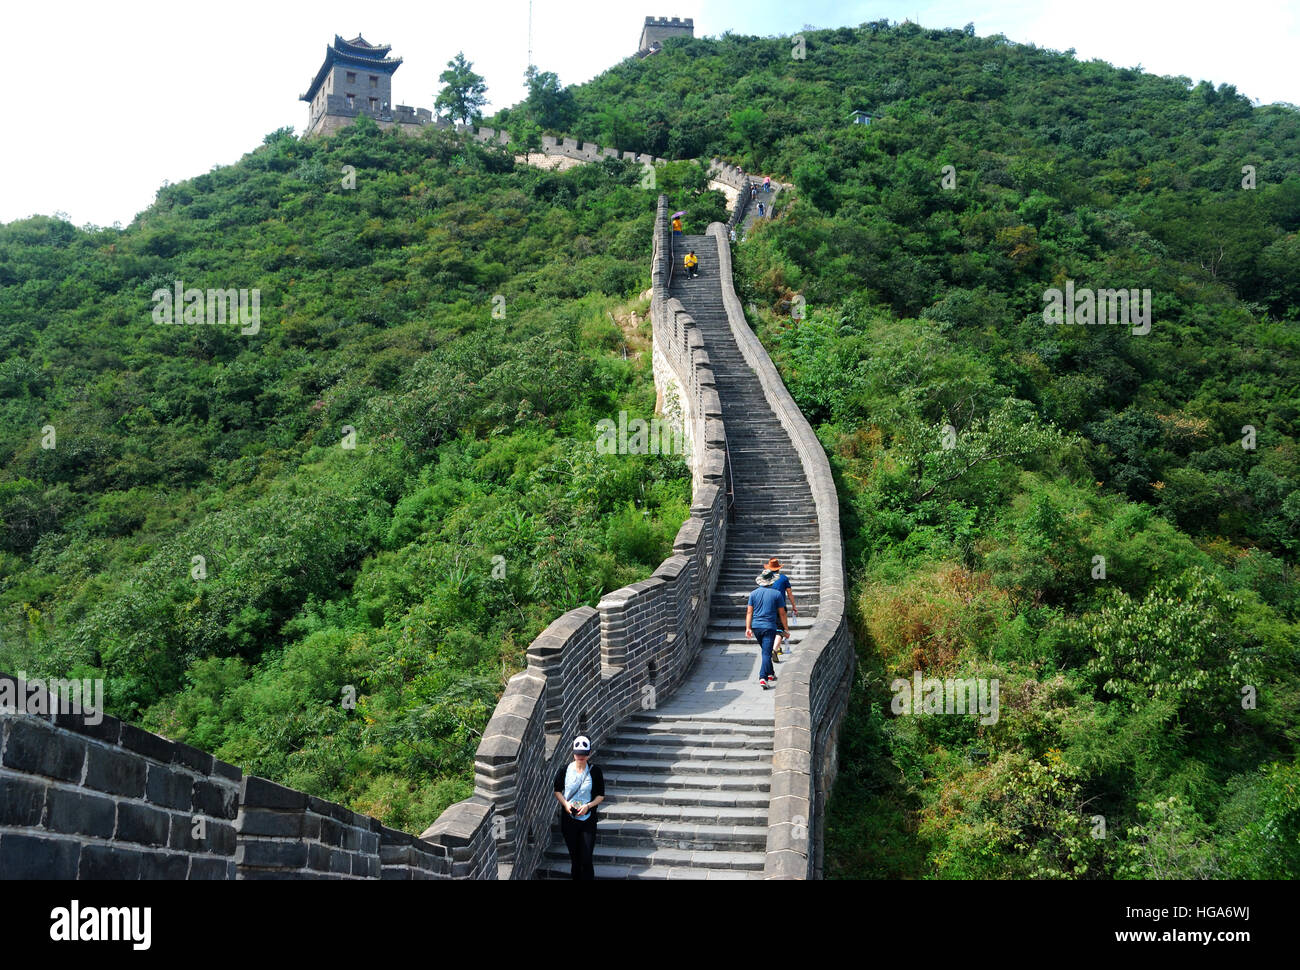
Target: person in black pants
580	788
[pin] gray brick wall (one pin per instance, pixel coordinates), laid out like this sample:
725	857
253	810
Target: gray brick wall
813	691
106	800
591	668
89	797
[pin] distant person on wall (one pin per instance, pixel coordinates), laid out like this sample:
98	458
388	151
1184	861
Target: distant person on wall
764	619
579	788
761	210
781	583
691	262
753	192
767	183
733	233
677	227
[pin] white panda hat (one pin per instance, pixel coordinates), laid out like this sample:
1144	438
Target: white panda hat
581	745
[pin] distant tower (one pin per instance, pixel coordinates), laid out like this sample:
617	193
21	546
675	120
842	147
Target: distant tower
356	79
657	28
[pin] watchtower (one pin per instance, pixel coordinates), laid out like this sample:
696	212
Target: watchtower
356	78
658	28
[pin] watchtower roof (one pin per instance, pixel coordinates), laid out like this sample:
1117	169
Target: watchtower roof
357	52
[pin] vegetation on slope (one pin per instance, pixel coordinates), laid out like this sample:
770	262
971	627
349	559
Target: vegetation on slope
1147	718
409	572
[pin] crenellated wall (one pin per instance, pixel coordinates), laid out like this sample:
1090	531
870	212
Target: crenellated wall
86	796
591	668
813	691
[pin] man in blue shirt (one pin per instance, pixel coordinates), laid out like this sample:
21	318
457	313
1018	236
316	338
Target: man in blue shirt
764	619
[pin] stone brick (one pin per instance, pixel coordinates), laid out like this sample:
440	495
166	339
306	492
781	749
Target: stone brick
261	793
182	833
331	832
221	838
211	869
219	801
261	822
109	862
340	861
271	854
219	767
29	857
36	748
115	771
164	865
22	801
318	857
147	744
142	824
95	725
200	761
170	788
80	813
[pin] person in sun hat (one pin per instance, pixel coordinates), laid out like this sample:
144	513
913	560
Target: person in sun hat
764	619
580	788
781	583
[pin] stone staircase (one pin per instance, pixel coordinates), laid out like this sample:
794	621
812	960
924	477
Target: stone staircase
751	211
688	784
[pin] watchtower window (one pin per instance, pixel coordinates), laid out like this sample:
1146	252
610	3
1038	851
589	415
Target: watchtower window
374	104
352	77
352	101
374	80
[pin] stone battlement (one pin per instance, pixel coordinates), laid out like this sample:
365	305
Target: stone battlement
86	796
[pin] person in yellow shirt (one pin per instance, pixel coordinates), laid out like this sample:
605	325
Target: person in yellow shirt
677	227
691	262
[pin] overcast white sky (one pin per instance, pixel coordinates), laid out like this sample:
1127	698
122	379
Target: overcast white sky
106	100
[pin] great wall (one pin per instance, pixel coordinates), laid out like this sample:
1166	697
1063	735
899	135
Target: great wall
709	777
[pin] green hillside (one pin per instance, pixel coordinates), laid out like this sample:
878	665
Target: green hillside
329	567
1120	698
985	458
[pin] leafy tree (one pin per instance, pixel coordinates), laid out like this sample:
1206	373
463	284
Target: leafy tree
549	104
1179	642
464	93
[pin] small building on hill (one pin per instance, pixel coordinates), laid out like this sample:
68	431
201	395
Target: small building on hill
859	117
355	79
657	29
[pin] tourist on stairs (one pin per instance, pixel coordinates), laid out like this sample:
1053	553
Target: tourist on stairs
781	583
691	262
579	788
765	618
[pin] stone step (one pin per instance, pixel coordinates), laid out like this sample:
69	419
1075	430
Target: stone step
670	726
640	736
688	760
554	868
733	719
690	836
629	865
758	778
732	765
692	798
647	856
635	810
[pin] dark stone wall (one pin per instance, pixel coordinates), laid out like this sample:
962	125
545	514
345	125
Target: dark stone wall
86	796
